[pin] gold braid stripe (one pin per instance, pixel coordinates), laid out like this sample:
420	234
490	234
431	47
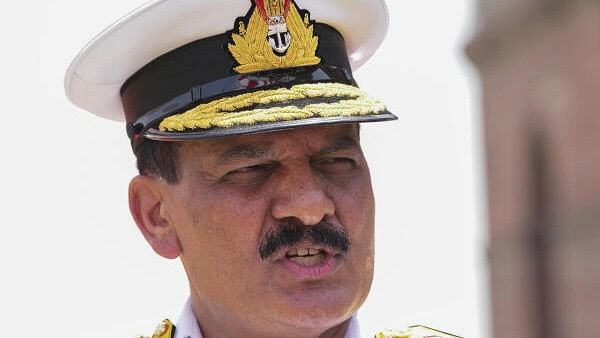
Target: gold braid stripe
232	111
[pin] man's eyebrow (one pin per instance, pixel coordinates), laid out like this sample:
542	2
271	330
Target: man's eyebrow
242	152
342	143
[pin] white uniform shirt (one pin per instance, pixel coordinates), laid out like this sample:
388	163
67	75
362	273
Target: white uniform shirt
187	325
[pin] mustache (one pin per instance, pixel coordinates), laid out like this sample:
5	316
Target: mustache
293	231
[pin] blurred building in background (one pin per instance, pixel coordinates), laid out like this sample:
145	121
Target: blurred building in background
539	62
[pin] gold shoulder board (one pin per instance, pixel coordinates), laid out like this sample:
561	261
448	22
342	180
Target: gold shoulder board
417	331
163	330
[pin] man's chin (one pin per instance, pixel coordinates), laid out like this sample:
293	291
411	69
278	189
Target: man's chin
313	323
318	307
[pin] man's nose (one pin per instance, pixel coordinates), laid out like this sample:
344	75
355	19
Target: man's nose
302	194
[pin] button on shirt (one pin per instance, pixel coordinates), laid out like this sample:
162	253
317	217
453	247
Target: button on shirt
187	325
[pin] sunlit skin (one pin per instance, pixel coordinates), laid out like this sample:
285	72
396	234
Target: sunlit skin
230	192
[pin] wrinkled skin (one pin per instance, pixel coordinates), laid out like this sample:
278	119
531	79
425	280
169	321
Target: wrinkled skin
231	192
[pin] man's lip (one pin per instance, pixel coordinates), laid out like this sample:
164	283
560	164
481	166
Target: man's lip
318	271
282	253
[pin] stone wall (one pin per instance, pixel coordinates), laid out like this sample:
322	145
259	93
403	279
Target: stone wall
539	62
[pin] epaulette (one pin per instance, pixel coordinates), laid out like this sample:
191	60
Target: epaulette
417	331
165	329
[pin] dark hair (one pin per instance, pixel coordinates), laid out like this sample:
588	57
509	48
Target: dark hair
158	158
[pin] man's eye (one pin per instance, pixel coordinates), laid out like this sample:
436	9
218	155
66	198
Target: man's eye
250	169
250	172
336	164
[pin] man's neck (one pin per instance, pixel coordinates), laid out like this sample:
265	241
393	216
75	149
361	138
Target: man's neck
212	326
338	331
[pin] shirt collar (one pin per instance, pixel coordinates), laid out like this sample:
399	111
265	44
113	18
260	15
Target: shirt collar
187	325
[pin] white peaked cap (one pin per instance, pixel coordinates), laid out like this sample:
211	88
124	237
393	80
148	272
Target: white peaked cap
95	77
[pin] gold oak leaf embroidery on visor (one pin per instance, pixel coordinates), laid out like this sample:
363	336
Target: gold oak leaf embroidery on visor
243	110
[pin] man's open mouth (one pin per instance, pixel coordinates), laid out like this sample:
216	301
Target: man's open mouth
309	262
306	256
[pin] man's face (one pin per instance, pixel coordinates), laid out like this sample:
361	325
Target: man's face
244	211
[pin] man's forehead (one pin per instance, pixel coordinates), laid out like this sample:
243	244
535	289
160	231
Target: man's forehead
322	138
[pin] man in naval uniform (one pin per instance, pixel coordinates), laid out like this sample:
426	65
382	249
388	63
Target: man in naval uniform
244	118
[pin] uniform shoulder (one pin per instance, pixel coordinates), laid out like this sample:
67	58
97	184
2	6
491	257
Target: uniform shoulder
165	329
417	331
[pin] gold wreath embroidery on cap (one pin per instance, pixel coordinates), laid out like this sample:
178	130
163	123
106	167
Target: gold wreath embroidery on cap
276	36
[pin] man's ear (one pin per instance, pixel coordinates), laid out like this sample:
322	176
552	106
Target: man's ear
148	211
